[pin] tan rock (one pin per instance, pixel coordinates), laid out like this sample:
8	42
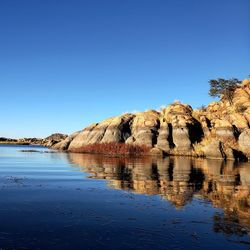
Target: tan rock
244	141
64	144
144	128
156	151
214	150
163	136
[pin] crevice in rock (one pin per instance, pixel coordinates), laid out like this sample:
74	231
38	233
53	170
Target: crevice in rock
237	180
155	133
103	134
236	132
170	136
209	125
195	132
126	130
222	150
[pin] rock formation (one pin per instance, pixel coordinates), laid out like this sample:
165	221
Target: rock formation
53	139
221	130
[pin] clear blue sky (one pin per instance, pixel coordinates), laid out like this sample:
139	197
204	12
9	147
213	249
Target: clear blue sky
66	64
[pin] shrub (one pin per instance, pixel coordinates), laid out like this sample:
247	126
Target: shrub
113	149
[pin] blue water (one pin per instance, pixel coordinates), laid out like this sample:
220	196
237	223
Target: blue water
52	200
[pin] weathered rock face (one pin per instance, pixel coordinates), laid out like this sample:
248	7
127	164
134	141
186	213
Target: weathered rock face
244	141
64	144
174	129
164	141
214	150
180	118
56	137
218	131
116	129
53	139
183	128
144	128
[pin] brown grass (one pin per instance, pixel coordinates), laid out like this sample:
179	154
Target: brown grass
113	149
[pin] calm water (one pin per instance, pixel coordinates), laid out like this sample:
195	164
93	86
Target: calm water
74	201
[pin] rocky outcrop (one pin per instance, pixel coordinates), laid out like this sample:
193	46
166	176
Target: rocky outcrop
53	139
64	144
144	128
183	128
244	141
219	130
214	150
56	137
116	129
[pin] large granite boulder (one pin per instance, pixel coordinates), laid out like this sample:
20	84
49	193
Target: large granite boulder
214	150
244	141
56	137
183	129
64	144
116	129
144	128
163	139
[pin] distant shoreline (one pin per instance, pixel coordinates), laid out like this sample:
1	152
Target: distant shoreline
15	143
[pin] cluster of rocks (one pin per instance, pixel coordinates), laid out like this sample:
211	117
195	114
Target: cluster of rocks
220	130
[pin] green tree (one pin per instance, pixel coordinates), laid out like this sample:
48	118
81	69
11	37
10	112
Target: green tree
225	87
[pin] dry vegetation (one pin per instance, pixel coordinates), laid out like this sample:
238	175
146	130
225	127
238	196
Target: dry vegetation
113	149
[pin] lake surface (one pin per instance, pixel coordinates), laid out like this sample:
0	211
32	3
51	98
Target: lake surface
77	201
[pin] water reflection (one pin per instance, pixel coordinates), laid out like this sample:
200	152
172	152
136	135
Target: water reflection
178	180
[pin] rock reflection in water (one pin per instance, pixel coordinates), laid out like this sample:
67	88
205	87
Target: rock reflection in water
178	180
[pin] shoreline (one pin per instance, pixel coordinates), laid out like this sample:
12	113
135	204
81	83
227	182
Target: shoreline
16	143
122	155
